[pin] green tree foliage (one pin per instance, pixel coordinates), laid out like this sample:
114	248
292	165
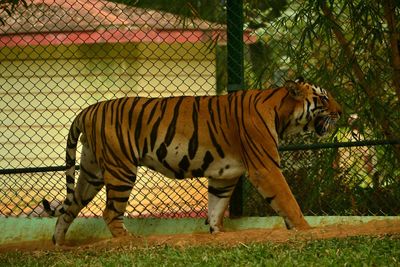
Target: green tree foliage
352	46
352	49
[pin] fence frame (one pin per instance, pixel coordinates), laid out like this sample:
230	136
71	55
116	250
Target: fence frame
235	68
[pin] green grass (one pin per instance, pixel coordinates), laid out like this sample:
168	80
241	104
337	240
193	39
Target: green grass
354	251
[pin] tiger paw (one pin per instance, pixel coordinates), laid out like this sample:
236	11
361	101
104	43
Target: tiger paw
119	231
58	240
216	229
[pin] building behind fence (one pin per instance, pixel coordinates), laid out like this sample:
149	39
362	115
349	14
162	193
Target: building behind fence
59	56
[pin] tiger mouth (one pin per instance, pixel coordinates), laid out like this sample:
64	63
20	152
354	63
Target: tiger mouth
324	124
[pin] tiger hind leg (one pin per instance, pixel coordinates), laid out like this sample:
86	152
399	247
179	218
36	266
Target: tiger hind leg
119	183
219	194
89	183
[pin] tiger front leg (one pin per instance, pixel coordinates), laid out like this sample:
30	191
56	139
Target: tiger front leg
272	185
118	190
219	194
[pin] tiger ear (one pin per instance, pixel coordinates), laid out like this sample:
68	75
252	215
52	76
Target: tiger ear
294	90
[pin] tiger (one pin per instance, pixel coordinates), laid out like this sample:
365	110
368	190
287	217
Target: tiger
220	137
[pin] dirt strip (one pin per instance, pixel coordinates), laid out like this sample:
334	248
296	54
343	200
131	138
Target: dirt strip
373	228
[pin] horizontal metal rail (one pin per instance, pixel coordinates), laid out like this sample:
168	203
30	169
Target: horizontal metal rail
35	169
293	147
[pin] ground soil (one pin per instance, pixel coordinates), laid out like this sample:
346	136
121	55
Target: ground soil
373	228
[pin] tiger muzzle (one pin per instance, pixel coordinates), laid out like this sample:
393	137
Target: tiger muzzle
325	123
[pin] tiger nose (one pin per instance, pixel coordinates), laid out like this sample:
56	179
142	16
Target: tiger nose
338	111
336	114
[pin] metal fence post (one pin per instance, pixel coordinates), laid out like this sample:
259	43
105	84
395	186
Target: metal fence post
235	79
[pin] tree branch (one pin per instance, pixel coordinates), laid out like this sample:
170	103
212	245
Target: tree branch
394	37
360	76
346	46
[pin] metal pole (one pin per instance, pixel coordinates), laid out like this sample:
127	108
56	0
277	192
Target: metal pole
235	79
235	45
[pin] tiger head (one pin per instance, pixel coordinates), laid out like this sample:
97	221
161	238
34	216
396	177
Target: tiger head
314	108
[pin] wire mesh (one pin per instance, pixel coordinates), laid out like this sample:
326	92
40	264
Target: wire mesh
332	43
59	56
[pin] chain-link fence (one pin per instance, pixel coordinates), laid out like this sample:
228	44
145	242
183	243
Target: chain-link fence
350	48
59	56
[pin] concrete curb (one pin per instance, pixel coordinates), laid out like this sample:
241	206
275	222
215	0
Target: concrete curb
14	230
